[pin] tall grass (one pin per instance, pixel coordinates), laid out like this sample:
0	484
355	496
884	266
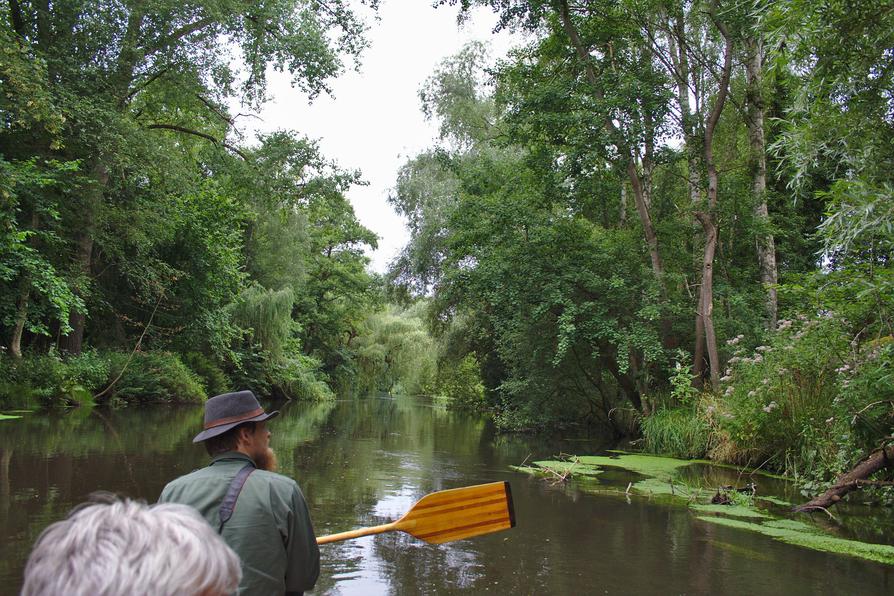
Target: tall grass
679	432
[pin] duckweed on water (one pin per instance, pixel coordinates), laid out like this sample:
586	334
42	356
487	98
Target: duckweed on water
809	538
552	469
773	500
662	468
730	510
662	480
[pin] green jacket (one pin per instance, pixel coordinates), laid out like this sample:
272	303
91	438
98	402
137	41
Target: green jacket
270	528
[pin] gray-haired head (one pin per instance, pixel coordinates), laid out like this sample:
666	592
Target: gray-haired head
123	547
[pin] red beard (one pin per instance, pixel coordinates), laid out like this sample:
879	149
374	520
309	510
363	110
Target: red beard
267	460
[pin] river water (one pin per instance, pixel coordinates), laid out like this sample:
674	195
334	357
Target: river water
364	462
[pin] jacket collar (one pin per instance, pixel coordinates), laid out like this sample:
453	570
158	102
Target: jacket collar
232	456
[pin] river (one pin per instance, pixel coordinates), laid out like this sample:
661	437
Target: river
364	462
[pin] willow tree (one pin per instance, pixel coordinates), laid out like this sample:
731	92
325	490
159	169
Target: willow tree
123	73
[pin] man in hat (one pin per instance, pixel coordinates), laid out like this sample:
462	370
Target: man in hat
260	514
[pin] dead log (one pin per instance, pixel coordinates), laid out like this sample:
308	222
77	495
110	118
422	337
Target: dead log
882	457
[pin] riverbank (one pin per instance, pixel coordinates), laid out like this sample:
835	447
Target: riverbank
158	376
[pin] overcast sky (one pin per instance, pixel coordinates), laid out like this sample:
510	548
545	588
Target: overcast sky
373	120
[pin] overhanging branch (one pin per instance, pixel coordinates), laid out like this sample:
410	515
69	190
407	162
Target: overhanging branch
199	134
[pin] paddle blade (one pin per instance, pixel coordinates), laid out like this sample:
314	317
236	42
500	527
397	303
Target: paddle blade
460	513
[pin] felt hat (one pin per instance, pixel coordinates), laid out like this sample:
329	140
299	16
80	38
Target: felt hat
223	412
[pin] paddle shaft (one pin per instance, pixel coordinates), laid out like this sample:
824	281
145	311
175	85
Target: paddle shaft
357	533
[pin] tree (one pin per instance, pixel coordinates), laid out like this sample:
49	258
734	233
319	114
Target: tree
128	75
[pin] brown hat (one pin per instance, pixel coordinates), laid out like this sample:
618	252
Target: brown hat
223	412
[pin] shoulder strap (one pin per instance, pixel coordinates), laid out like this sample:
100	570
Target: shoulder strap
229	503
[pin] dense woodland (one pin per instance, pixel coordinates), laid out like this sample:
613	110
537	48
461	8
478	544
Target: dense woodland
673	220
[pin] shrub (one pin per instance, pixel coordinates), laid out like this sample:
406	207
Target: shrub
89	369
300	377
212	376
51	379
153	377
809	404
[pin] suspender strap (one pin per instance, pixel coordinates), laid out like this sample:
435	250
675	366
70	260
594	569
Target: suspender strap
229	502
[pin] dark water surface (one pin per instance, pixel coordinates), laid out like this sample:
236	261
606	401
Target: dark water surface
365	462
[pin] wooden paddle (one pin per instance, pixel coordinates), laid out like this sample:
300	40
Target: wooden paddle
449	515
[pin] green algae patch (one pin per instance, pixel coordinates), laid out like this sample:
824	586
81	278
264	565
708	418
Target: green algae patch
808	538
790	524
573	467
773	500
730	510
663	468
558	469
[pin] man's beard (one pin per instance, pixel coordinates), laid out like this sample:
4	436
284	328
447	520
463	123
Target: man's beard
266	460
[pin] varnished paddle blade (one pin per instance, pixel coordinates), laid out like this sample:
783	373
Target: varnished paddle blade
460	513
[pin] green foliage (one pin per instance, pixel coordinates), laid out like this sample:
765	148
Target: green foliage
300	377
128	212
395	353
808	404
49	380
152	377
460	383
267	314
682	390
212	376
679	432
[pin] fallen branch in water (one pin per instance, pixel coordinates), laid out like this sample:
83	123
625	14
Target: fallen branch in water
881	458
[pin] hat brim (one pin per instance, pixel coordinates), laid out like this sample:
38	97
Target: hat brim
219	430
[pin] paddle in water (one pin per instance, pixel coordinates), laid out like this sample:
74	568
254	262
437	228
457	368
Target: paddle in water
449	515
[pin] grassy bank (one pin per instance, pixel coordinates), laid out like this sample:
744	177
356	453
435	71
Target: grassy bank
808	405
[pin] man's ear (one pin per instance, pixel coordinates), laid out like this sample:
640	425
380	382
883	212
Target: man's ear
243	435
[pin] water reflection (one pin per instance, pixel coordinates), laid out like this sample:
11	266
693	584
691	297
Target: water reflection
364	462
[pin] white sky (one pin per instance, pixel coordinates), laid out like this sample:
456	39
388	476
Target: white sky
373	120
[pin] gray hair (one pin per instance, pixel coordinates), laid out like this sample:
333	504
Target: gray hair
122	547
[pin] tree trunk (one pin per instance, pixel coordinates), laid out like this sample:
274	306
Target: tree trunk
677	44
766	245
73	342
623	202
645	218
708	217
705	313
854	479
18	329
15	341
